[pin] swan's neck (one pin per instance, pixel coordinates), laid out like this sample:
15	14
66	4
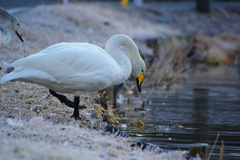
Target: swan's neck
5	15
5	36
125	61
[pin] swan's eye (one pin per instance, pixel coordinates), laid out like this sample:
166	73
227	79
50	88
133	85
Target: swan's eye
142	70
18	24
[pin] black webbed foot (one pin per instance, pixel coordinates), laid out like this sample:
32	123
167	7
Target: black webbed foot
69	103
76	117
63	99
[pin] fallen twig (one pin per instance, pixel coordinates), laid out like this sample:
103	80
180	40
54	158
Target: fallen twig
213	146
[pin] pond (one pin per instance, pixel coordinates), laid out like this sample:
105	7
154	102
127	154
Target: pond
205	104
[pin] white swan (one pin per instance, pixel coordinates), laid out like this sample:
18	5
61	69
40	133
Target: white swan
12	23
79	68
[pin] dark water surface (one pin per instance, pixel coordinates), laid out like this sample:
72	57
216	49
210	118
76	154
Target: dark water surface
205	104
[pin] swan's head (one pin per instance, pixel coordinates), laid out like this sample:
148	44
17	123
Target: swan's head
138	71
14	25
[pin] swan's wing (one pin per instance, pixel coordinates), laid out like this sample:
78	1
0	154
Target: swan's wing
56	47
68	66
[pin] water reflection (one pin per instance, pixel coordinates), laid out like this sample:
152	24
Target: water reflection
206	105
200	113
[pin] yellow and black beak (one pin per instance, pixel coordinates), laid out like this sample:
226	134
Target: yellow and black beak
19	36
139	80
18	33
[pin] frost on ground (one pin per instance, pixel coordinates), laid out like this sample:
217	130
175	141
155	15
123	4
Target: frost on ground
38	138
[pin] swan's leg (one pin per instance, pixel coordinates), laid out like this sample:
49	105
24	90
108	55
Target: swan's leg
76	110
65	100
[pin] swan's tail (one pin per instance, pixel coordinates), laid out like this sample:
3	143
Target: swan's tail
4	79
25	74
7	76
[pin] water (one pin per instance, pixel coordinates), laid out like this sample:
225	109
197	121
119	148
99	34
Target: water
205	104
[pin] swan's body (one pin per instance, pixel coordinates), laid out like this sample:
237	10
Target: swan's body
79	68
13	23
70	68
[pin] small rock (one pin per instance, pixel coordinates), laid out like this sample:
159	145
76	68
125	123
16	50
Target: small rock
106	23
123	126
